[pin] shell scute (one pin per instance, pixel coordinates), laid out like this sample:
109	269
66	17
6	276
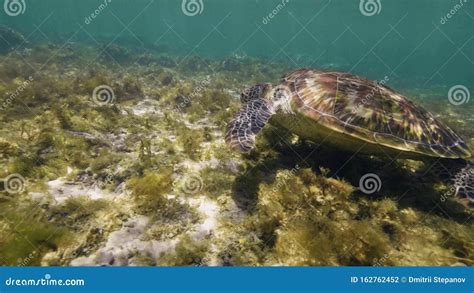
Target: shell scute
372	112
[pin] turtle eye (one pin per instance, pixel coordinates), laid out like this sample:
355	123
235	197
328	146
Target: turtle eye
279	94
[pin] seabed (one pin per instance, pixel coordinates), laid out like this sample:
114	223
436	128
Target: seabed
137	172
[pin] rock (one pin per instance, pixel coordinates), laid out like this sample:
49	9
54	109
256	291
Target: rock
125	243
115	53
61	189
51	259
146	59
82	261
10	39
232	165
85	135
182	102
194	63
166	61
166	78
121	257
231	64
104	258
121	188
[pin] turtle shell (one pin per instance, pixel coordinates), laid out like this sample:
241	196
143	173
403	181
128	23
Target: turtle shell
371	112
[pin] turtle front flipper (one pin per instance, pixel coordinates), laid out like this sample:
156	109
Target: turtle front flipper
247	123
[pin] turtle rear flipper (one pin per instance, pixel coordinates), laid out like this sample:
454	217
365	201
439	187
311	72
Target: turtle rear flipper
245	125
463	183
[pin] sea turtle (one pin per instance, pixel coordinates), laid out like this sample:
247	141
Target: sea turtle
350	113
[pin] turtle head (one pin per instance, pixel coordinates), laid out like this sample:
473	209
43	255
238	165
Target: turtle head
258	91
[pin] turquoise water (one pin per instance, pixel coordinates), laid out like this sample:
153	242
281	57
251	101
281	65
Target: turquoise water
405	40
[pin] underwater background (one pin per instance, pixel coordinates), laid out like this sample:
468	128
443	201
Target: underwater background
113	116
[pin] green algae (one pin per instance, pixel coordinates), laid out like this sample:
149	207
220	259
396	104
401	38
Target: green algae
188	252
217	181
292	210
27	233
75	212
190	140
149	191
